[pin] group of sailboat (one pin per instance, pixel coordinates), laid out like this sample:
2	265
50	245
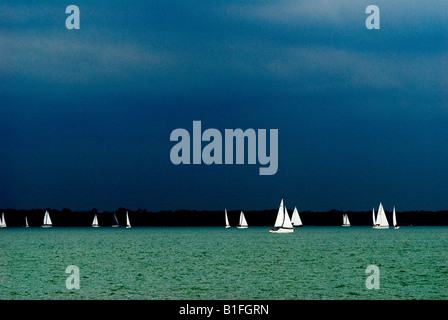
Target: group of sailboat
48	224
283	223
380	222
242	222
95	223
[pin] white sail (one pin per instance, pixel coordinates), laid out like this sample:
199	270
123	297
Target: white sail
381	219
394	220
345	221
287	221
128	223
3	221
95	222
26	222
227	219
47	220
280	216
296	221
373	217
243	222
116	224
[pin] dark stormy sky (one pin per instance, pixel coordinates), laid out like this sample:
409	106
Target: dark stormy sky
86	115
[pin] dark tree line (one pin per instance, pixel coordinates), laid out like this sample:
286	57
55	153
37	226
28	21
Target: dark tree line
142	217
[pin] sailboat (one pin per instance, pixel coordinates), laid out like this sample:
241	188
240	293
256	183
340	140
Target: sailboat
95	222
296	221
128	223
394	220
345	221
227	219
26	222
381	219
283	223
116	224
2	221
47	221
243	222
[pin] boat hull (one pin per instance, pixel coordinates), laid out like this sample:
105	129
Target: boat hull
346	225
281	230
46	226
380	227
242	227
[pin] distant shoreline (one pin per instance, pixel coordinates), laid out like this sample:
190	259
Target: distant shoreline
142	217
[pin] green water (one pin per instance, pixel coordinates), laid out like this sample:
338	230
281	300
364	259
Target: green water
218	263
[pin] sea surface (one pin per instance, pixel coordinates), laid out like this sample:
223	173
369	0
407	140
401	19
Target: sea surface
211	263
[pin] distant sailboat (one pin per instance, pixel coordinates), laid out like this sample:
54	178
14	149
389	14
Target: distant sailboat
128	223
2	221
243	222
95	222
296	221
227	219
373	216
47	221
116	224
345	221
394	220
26	222
381	219
283	223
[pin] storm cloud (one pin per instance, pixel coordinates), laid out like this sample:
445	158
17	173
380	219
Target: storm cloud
86	115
